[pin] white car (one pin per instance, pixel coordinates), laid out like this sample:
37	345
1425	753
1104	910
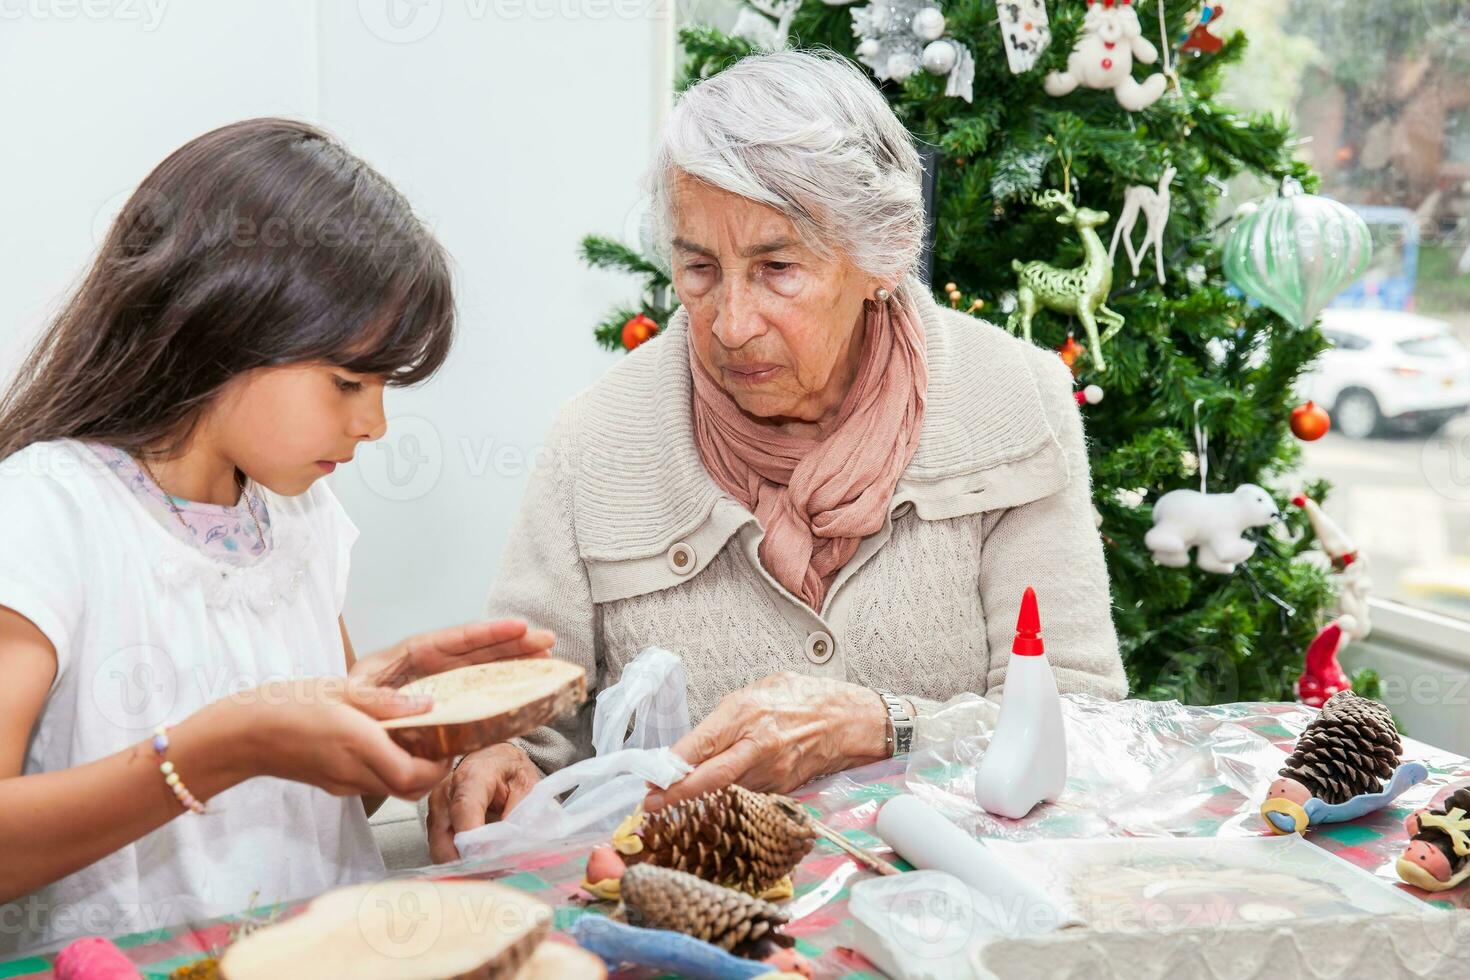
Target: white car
1388	368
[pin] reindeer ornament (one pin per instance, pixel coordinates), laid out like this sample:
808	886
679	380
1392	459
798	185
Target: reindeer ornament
1103	57
1154	205
1080	292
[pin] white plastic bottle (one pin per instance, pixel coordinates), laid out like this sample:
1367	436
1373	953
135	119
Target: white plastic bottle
1026	761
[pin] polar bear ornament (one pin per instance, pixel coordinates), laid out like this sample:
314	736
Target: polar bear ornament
1103	57
1212	523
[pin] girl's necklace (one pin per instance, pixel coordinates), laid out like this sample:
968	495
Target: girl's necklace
168	498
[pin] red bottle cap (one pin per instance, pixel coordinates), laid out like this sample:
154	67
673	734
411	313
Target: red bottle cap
1028	627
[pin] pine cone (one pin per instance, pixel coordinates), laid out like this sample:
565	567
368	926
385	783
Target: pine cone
731	836
661	898
1349	749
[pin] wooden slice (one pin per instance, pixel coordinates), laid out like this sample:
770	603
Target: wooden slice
488	703
560	961
398	930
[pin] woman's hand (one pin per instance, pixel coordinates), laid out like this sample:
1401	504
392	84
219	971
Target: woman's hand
485	786
323	731
446	649
778	733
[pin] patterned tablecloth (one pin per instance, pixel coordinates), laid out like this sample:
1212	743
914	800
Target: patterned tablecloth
849	802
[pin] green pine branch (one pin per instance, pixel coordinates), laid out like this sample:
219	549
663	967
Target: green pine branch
604	253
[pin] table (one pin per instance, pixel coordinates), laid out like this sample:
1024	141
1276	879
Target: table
849	803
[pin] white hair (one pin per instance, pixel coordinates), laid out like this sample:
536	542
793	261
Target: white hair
809	135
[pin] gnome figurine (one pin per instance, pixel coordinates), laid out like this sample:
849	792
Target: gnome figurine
1339	767
1438	857
1349	568
1322	676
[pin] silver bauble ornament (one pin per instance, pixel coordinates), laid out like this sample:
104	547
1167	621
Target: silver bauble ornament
902	65
928	24
940	57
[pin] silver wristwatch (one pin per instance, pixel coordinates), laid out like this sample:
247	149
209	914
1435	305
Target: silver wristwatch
900	721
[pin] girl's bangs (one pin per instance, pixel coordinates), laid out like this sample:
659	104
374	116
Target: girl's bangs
410	334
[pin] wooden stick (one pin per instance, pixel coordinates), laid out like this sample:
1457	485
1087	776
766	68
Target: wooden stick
860	854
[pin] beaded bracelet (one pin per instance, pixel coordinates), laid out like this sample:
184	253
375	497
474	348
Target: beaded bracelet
181	792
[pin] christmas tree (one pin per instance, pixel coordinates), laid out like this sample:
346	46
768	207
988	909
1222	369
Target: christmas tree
1192	353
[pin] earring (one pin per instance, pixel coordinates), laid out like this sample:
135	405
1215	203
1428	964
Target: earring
883	295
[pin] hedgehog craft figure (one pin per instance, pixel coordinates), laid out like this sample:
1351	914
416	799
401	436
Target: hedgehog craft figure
732	836
1346	764
1438	856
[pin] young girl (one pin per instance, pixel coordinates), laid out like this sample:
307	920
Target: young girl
172	572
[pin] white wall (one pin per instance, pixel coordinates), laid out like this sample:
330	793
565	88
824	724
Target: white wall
515	126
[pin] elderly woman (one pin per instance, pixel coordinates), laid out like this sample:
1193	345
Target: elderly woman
821	490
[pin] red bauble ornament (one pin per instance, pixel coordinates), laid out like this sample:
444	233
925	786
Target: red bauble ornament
639	330
1309	422
1070	351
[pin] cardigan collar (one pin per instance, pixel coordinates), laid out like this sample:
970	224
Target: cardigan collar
640	485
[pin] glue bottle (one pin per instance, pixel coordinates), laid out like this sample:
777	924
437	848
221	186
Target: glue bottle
1026	761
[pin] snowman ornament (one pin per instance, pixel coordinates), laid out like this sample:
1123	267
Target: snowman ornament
1212	523
1103	57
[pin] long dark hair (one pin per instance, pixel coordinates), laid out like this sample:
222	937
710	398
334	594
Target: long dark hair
258	244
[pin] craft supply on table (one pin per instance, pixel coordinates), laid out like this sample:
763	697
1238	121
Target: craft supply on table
925	838
1438	856
634	722
861	855
1137	884
1339	766
1137	768
662	950
398	929
94	958
487	703
1026	762
731	836
662	898
925	925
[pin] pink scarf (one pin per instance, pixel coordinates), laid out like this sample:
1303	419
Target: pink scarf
817	499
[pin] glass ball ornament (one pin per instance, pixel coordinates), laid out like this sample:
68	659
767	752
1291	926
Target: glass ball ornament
940	57
1297	251
902	65
928	24
869	48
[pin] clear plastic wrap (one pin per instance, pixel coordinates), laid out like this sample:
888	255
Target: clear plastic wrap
1135	768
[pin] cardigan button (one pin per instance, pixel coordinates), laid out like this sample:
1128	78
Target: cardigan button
820	647
682	559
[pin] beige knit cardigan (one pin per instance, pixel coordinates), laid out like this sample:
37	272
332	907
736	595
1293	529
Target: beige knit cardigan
624	542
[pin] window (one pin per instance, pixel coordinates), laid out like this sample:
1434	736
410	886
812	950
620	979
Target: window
1380	94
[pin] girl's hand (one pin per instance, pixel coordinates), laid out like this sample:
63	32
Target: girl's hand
322	731
457	646
779	733
485	786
